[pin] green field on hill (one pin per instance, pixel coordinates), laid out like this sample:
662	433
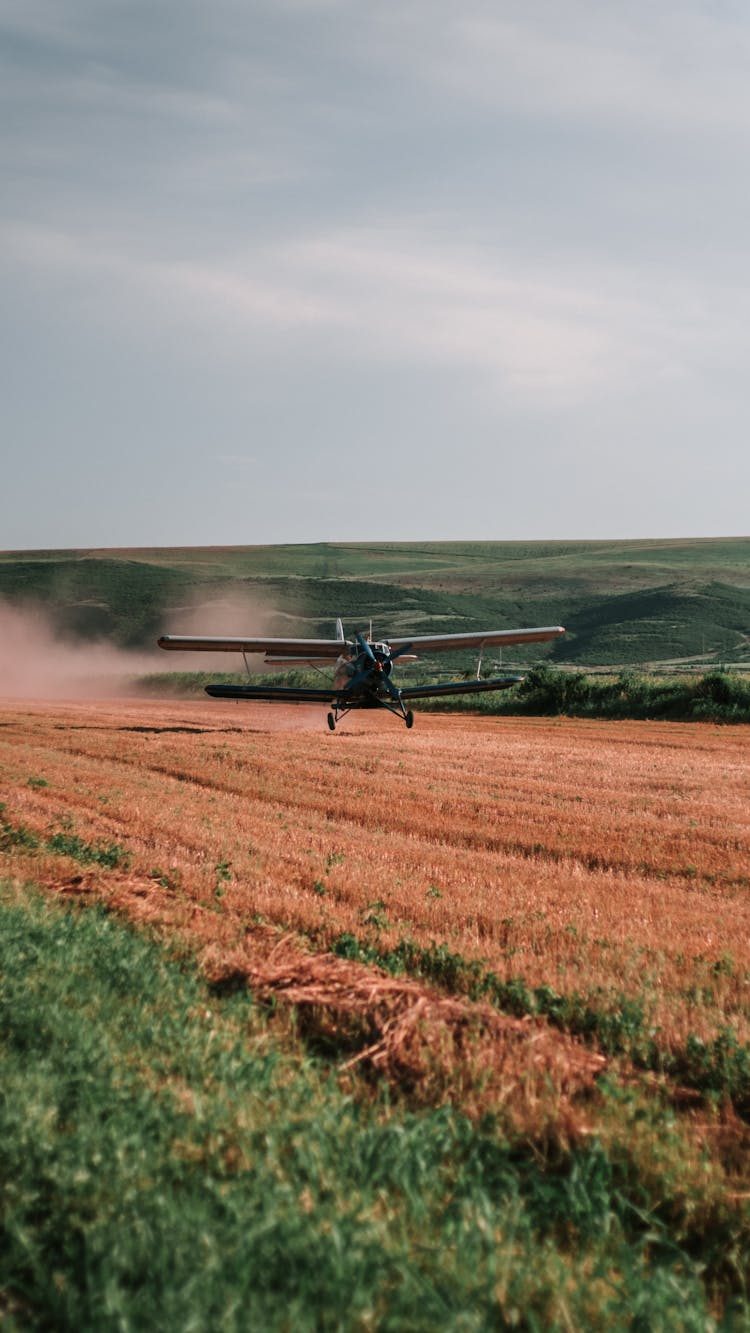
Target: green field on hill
622	602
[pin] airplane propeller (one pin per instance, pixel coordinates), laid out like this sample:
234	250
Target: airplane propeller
381	665
366	669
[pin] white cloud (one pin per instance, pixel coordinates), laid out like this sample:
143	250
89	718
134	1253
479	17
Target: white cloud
671	66
539	333
309	220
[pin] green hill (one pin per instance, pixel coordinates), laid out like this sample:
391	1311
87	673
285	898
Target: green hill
622	602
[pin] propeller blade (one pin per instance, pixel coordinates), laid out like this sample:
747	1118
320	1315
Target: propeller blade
365	646
365	670
392	689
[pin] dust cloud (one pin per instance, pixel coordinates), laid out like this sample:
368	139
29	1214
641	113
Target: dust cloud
37	662
230	614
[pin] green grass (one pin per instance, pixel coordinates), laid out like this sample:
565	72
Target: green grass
623	602
97	597
170	1158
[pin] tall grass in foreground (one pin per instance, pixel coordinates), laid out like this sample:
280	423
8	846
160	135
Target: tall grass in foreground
173	1159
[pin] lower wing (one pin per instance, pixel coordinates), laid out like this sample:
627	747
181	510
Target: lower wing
460	687
300	694
287	693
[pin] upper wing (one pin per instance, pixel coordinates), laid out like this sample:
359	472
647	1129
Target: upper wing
309	650
303	650
491	638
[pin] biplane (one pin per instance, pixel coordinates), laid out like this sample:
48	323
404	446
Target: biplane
362	668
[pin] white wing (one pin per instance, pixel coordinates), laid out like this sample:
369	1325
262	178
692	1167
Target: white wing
491	638
303	650
310	650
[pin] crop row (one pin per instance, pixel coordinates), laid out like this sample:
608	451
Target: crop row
601	860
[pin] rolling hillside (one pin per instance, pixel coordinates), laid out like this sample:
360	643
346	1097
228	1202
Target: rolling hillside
631	602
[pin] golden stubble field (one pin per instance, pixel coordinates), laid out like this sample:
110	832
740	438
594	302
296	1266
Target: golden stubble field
605	858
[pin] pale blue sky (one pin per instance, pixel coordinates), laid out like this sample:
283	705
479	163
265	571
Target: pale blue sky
300	270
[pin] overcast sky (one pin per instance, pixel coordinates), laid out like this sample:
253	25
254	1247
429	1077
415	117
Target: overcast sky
298	270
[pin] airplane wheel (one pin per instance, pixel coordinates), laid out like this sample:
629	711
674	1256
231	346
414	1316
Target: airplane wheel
331	722
409	719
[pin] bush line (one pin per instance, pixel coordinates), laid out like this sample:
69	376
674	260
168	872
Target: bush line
717	696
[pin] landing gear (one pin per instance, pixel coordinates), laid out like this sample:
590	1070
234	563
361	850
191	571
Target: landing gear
342	706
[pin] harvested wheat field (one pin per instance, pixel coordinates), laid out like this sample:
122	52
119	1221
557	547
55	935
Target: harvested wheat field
544	920
605	861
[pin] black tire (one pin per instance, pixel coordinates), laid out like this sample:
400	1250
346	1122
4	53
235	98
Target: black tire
409	719
331	722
